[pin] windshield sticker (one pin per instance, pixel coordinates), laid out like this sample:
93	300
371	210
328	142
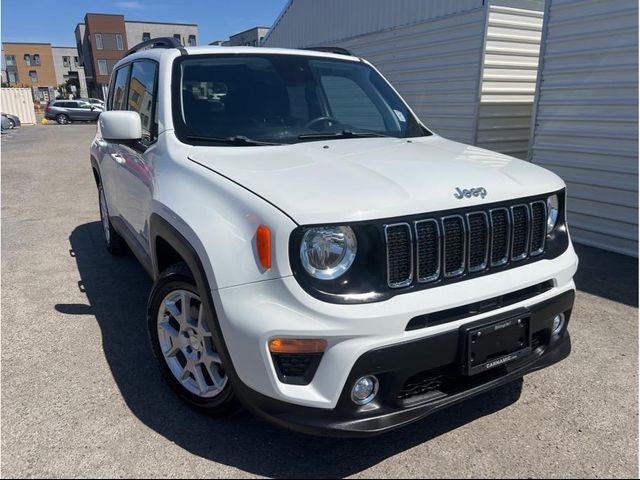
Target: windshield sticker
400	116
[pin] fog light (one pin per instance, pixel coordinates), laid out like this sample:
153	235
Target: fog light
558	323
364	390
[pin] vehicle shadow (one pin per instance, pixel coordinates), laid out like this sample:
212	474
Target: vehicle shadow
117	290
608	275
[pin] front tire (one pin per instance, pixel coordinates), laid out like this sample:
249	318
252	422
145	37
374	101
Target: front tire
62	119
12	124
183	344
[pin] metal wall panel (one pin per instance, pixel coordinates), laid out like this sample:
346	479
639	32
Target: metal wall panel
509	79
19	102
305	23
434	65
586	119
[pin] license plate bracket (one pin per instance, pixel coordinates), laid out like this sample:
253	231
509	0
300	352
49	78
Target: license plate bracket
497	343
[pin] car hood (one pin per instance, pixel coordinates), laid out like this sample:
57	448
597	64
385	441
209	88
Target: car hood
371	178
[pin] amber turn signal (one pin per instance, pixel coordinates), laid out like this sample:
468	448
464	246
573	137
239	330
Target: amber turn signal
297	345
263	244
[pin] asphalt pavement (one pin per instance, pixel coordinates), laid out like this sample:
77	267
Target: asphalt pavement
82	397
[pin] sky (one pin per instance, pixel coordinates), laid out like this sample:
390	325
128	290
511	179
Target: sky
54	22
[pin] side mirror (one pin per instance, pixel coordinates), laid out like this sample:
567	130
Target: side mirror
120	126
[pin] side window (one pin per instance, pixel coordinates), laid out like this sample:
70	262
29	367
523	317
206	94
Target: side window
119	89
142	95
350	104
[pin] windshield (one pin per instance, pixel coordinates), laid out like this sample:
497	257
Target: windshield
265	99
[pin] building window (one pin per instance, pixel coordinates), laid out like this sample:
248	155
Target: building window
13	78
36	59
192	40
260	42
177	37
66	62
27	59
102	67
33	75
146	36
119	42
10	59
75	61
98	41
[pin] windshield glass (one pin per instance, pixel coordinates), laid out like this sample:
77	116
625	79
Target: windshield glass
249	99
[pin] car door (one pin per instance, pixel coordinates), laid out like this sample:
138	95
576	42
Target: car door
75	112
110	156
86	111
135	186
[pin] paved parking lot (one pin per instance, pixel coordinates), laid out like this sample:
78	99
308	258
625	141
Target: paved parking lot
81	395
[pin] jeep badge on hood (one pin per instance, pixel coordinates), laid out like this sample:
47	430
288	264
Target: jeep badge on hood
468	193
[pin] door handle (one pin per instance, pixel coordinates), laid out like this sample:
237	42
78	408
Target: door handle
118	158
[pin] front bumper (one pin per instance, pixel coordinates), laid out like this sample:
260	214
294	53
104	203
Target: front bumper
395	364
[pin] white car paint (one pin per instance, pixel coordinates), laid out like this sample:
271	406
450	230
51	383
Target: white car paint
375	177
216	197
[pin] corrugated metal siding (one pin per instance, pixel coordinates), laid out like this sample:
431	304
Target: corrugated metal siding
586	125
509	79
435	66
19	102
305	23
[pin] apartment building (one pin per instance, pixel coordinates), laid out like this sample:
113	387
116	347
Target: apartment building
250	38
31	65
103	39
66	62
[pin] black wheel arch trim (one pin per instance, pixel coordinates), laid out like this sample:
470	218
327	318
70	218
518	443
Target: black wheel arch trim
160	227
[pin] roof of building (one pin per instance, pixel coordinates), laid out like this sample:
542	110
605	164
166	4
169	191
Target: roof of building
26	43
247	30
163	23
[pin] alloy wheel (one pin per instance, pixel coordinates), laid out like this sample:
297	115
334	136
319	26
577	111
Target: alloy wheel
187	344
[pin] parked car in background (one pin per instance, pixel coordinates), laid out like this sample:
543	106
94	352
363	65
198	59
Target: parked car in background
14	121
6	125
65	111
93	101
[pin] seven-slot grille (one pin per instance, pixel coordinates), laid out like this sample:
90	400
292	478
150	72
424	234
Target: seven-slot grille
450	246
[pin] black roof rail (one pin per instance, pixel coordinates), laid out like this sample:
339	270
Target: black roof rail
160	42
338	50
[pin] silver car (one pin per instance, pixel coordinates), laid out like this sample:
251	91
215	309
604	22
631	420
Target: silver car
6	125
65	111
14	121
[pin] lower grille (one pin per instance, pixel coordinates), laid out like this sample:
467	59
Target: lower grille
421	384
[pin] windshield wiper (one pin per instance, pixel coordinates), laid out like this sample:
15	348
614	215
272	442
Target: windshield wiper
240	140
342	134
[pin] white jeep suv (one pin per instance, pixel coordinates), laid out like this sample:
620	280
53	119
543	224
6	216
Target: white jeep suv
319	255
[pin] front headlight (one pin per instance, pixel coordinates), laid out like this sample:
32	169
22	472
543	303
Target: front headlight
552	213
328	252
